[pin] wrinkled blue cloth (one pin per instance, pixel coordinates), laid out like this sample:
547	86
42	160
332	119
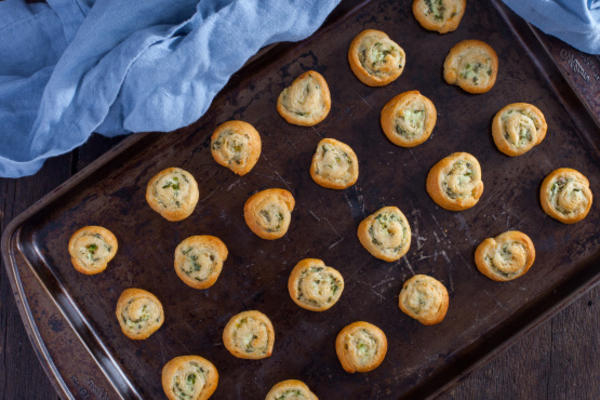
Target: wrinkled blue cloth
72	67
576	22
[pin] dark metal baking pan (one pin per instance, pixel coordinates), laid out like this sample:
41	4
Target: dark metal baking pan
88	357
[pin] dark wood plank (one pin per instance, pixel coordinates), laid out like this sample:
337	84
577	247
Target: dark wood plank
21	375
558	360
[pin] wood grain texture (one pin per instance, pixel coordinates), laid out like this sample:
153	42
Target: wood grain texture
21	376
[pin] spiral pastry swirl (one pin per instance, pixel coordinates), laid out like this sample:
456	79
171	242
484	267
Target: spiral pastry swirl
425	299
472	65
199	260
565	195
385	234
408	119
454	182
91	249
360	347
517	128
249	335
173	193
442	16
290	389
375	59
506	257
315	286
334	165
236	145
139	313
268	213
189	378
307	101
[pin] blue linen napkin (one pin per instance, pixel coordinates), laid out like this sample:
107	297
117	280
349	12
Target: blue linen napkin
576	22
72	67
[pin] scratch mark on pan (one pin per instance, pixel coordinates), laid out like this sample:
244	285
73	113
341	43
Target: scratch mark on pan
314	215
450	269
210	194
413	156
287	185
437	238
383	282
381	297
409	266
445	255
316	131
498	303
439	226
332	228
332	245
236	182
424	257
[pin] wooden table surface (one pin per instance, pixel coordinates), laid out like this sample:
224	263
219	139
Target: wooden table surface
557	360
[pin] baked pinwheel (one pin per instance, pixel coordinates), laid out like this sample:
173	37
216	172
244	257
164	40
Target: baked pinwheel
199	260
307	101
189	378
375	59
173	193
236	145
91	248
139	313
268	213
425	299
442	16
360	347
454	182
408	119
566	196
249	335
315	286
517	128
385	234
472	65
334	165
506	257
290	389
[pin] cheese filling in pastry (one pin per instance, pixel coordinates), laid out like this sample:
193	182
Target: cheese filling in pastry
189	378
361	347
250	335
315	286
454	183
518	127
91	248
236	145
139	313
290	389
173	193
334	165
424	299
505	257
268	213
408	119
199	260
565	195
375	59
385	234
442	16
472	65
307	101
